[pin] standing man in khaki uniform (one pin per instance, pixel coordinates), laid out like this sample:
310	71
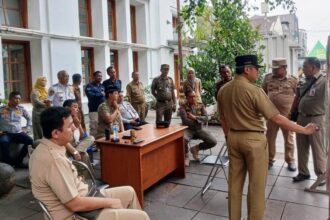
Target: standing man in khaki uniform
55	182
162	88
242	107
312	109
281	90
135	93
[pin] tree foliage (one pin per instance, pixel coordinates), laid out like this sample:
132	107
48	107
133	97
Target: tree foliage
227	32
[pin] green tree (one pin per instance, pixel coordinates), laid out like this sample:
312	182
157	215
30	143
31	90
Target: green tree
228	34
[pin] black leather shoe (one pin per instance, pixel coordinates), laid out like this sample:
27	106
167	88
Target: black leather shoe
270	165
292	167
301	177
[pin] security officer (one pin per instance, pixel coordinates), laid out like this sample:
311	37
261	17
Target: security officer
162	88
281	90
194	115
312	108
242	107
11	129
135	94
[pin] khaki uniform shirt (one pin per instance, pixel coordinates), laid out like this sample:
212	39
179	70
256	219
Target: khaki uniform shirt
197	110
135	92
281	91
54	179
315	100
163	87
104	111
245	105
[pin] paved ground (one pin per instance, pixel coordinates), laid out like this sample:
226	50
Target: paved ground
180	199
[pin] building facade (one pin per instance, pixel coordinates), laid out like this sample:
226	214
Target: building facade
42	37
282	38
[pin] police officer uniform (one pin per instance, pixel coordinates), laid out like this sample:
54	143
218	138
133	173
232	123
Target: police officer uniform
281	91
243	106
135	93
11	131
195	127
163	87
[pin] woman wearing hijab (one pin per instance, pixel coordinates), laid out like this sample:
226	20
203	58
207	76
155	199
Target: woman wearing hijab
40	102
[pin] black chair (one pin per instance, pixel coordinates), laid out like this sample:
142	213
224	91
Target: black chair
45	210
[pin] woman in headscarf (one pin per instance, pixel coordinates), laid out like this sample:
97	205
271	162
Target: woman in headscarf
40	102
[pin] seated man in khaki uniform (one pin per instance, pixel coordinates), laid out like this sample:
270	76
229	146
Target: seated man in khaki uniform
54	179
194	115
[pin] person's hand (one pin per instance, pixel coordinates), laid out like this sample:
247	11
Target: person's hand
133	122
25	130
115	105
103	93
311	128
77	156
191	116
76	122
174	108
115	204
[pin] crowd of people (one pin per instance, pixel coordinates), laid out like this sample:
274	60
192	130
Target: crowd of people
58	124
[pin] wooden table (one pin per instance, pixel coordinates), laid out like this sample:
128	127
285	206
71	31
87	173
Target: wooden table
142	165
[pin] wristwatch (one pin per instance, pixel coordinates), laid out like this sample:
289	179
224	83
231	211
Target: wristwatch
75	153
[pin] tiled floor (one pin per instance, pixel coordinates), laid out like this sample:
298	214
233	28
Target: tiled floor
180	199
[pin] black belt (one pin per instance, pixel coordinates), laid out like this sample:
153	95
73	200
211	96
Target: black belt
247	131
310	115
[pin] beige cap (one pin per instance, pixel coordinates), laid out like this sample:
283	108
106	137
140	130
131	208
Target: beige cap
278	62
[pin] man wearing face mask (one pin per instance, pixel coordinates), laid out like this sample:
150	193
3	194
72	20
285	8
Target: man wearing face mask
281	89
62	90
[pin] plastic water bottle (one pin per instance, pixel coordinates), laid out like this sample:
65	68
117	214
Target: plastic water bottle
115	129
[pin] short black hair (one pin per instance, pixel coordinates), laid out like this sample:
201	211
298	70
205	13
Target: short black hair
110	91
109	68
97	72
13	94
188	92
76	77
314	61
53	118
239	70
69	102
163	65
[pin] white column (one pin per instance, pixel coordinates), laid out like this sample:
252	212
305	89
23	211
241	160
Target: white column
99	12
125	58
102	59
123	20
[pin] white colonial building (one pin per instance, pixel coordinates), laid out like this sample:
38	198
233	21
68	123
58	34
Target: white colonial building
41	37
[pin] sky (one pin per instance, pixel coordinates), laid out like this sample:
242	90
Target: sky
313	16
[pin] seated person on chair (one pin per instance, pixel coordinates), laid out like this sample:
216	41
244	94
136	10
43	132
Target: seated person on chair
109	113
194	115
129	116
81	140
54	179
12	131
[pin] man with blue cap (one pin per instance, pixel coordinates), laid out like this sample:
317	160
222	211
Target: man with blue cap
243	108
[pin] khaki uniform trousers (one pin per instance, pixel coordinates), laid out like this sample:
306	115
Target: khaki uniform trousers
131	211
272	130
140	109
208	140
247	153
93	122
318	143
164	109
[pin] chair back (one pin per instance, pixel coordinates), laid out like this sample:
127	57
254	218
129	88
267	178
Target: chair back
45	210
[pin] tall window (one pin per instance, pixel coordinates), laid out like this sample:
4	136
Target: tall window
114	60
13	13
87	64
112	20
85	18
133	24
16	68
135	61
